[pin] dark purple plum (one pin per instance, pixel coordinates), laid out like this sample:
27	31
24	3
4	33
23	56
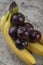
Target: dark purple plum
21	44
13	32
17	19
22	33
34	36
28	26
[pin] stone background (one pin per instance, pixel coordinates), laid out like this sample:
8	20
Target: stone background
33	10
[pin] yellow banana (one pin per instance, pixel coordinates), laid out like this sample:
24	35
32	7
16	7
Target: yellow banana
3	20
41	41
0	23
36	48
24	55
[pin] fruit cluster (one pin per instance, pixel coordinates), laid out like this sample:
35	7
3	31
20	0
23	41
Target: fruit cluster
22	31
21	35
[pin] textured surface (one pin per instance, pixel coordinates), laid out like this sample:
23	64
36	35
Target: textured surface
33	10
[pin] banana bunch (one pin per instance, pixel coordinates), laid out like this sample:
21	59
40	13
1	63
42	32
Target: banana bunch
24	55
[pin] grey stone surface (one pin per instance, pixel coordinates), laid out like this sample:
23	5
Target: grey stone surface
33	10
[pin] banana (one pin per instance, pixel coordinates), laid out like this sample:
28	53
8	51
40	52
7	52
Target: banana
0	24
3	20
22	54
36	48
41	40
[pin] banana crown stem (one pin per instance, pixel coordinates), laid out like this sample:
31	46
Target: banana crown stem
15	10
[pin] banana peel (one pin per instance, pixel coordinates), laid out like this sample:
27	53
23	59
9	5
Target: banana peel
3	20
24	55
41	41
35	48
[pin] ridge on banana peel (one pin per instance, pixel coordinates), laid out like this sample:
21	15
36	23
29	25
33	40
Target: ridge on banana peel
24	55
